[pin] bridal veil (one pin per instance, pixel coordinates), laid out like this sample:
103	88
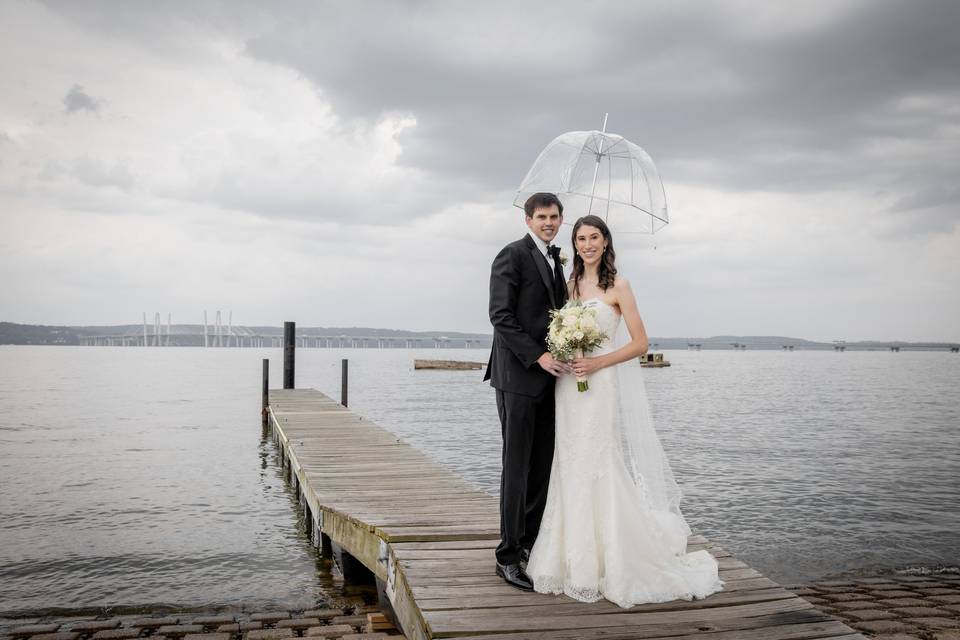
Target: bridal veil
643	454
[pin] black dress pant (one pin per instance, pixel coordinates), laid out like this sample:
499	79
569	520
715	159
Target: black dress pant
527	425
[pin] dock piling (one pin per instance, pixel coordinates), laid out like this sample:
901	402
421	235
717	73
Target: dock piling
352	570
265	395
289	348
344	378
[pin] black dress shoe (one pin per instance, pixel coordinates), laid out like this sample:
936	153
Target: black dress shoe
515	576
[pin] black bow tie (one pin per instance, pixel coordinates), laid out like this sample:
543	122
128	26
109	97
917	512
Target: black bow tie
553	251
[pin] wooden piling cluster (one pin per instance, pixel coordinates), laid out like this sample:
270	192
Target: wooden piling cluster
427	536
654	360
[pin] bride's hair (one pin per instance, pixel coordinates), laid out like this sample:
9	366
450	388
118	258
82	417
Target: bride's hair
607	269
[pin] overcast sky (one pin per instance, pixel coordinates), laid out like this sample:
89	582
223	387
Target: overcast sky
353	164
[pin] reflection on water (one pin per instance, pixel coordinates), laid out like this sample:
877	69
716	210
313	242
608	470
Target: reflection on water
134	476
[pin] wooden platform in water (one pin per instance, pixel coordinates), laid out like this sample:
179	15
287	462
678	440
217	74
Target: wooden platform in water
429	537
458	365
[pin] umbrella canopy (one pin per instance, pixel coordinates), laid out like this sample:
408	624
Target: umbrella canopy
603	174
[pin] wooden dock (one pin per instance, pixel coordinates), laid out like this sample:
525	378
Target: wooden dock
428	536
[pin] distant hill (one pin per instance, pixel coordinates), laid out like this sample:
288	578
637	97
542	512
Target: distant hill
781	342
192	335
11	333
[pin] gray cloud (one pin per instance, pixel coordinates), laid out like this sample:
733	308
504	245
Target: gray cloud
943	194
713	103
89	171
796	103
79	100
95	173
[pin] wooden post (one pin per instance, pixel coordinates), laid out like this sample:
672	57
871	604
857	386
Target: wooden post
343	381
354	571
289	348
265	400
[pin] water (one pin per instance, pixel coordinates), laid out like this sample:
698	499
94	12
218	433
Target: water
139	477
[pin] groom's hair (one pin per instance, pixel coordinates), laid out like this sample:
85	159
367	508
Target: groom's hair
541	201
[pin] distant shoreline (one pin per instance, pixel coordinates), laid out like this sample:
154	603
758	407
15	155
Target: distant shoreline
193	335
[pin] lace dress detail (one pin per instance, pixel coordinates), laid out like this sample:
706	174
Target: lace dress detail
600	537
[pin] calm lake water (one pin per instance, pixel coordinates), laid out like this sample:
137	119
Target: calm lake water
139	477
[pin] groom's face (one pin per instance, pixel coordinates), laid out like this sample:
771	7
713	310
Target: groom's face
545	222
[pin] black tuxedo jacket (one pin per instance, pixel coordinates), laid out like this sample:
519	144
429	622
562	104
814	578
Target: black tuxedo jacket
521	297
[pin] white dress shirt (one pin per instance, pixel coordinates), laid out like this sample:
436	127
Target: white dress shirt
543	248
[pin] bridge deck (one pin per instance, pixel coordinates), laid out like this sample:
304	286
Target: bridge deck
429	537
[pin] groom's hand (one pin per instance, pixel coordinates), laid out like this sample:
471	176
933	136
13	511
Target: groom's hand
553	366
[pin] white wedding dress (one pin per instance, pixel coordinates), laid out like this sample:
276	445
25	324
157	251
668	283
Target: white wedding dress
609	532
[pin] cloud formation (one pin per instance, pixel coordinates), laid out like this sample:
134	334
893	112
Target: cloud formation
78	100
367	154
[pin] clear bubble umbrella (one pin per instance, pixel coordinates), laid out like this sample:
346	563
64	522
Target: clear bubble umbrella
603	174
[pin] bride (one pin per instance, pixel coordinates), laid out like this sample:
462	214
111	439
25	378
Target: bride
612	527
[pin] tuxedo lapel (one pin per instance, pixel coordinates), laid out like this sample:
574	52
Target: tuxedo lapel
543	268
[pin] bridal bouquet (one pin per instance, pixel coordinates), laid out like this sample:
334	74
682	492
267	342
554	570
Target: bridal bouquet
574	330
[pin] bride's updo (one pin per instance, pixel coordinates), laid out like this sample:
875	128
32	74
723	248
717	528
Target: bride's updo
607	269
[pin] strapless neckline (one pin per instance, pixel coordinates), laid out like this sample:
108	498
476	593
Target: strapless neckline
603	302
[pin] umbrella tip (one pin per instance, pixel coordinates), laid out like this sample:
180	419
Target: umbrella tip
605	116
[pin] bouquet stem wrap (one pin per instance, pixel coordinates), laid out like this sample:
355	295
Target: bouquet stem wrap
582	384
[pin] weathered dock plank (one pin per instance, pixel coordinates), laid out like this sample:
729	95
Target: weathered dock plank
429	535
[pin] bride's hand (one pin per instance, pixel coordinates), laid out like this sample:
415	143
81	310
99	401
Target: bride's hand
586	366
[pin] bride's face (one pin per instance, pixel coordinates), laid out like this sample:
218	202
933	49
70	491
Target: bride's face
590	244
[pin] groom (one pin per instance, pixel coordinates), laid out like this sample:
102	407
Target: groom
526	282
